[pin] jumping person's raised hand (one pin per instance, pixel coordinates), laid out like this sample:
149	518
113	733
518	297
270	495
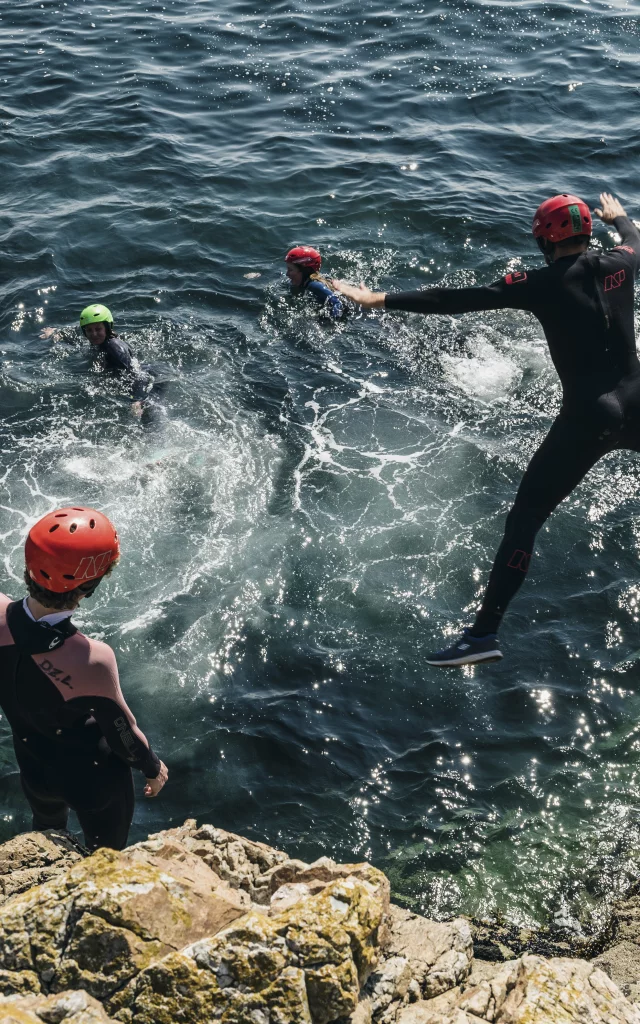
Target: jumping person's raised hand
362	295
154	786
611	208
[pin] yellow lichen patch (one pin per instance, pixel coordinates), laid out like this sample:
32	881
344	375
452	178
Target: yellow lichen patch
14	1015
19	983
284	1001
346	911
332	991
174	991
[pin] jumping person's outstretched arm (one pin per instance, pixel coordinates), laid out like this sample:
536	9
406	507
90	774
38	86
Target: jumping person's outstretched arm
499	295
613	212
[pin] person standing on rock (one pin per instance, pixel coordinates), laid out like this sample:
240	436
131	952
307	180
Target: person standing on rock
584	301
75	739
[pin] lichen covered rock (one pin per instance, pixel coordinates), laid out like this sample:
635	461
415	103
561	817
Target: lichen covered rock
96	925
241	862
64	1008
533	990
439	953
306	964
33	858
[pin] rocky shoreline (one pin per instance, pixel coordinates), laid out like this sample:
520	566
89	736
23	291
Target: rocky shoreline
198	925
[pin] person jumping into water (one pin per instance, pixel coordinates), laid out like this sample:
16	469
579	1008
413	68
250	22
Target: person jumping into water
75	739
303	263
584	301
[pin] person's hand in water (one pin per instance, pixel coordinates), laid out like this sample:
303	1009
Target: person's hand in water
154	786
611	208
50	332
362	295
136	409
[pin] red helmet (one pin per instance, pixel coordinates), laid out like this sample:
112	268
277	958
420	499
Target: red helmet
304	256
70	546
561	217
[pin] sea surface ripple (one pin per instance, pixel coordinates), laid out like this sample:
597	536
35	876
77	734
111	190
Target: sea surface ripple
319	503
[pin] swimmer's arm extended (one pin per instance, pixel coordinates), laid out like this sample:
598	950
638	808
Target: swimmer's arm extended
59	334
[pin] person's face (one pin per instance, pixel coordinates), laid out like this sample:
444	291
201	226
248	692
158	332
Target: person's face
295	275
96	333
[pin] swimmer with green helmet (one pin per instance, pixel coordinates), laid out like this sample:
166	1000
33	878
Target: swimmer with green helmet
96	323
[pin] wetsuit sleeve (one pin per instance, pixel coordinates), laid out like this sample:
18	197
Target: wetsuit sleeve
630	238
511	292
326	297
114	718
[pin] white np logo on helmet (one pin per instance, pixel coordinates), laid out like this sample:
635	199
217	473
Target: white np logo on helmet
93	565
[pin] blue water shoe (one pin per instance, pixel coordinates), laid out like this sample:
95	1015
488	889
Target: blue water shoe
469	650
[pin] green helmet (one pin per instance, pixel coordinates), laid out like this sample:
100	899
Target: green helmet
95	314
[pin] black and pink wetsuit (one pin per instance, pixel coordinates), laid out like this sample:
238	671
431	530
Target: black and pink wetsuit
585	305
75	739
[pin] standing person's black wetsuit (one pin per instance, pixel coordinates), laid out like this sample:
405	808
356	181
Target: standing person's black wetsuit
585	305
74	736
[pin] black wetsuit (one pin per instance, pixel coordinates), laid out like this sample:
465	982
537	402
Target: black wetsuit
75	739
117	356
585	306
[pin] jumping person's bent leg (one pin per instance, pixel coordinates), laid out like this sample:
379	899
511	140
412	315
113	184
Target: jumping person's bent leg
565	456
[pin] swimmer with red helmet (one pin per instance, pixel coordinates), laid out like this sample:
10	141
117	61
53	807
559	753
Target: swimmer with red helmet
74	736
584	301
303	263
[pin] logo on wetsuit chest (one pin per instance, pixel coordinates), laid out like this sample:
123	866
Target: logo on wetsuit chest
614	280
517	278
55	673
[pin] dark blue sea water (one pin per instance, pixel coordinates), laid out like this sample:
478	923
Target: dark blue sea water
319	503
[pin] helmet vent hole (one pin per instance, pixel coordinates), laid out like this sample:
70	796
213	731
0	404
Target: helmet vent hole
61	515
53	529
92	524
73	528
78	509
548	226
564	223
66	576
45	574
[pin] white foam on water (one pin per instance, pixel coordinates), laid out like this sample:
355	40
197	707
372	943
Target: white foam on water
486	373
